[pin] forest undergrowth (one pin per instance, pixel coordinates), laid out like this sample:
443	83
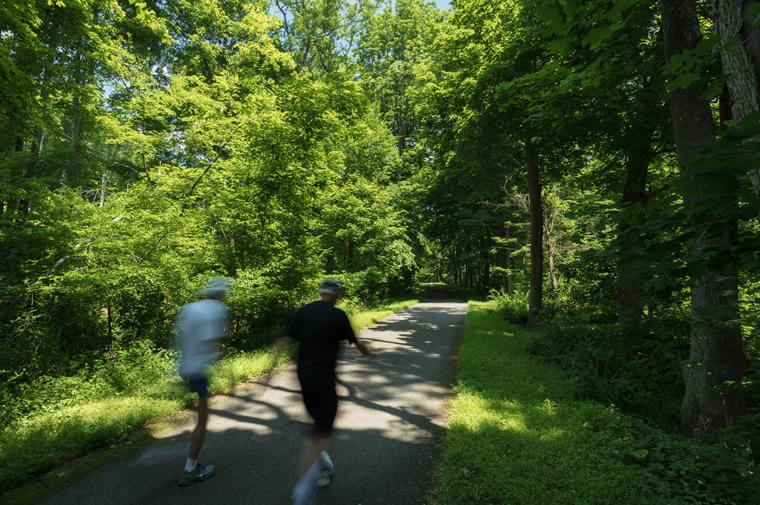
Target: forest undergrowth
58	419
520	434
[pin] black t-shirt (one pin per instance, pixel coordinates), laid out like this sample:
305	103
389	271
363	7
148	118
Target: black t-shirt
319	327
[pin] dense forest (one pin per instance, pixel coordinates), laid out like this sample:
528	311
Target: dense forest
592	166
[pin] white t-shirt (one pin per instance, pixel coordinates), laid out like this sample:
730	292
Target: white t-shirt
199	326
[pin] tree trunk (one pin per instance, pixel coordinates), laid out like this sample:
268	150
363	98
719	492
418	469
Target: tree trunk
627	296
737	62
716	349
550	258
486	276
505	260
536	234
751	39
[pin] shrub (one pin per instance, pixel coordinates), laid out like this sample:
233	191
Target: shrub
688	471
615	368
513	306
136	367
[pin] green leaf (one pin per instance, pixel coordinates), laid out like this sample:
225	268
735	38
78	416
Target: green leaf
696	269
683	81
597	35
571	8
553	15
561	46
706	46
753	11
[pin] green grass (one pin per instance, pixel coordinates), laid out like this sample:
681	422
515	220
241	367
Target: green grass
516	436
365	318
105	415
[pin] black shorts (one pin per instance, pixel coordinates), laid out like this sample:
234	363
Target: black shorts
321	403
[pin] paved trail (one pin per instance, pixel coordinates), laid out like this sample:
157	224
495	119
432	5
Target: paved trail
385	446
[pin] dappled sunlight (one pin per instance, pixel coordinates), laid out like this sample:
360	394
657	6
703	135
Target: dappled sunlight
479	413
516	434
391	409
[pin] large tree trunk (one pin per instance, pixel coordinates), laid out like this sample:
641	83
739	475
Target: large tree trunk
737	62
536	234
716	349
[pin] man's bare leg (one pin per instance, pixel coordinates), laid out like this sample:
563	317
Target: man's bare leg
199	433
194	472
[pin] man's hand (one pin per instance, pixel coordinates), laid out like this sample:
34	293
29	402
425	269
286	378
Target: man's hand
364	349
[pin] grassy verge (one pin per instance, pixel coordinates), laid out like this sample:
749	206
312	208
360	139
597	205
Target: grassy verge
365	318
100	414
516	436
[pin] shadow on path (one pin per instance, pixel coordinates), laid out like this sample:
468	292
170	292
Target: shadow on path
390	419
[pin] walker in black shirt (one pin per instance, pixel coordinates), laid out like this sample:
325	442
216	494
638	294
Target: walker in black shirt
319	327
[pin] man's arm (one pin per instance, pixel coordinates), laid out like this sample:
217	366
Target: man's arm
364	349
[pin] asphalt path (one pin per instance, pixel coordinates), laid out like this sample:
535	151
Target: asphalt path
385	446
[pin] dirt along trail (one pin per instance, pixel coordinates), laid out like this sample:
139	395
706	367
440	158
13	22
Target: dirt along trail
385	446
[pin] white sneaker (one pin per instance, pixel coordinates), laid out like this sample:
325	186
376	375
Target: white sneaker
328	468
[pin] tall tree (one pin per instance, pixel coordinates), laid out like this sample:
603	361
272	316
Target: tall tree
395	42
716	354
506	109
620	70
321	34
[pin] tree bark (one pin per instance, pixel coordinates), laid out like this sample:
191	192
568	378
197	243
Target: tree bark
550	259
751	40
550	220
738	63
716	348
536	234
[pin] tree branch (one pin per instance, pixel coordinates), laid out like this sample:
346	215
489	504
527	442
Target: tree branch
208	167
145	167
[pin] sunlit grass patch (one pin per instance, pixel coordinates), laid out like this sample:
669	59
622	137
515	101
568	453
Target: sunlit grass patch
369	317
241	367
516	436
51	438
